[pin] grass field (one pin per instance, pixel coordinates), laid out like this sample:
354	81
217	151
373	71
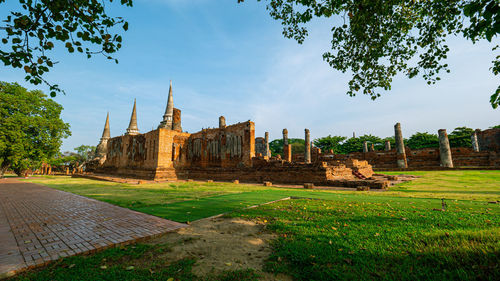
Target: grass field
396	235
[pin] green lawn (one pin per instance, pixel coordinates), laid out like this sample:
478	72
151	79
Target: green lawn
468	185
390	239
189	201
347	235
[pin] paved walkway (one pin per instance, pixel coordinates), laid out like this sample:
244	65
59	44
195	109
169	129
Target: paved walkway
39	224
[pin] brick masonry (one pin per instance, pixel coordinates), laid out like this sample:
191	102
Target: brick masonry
421	158
39	225
166	154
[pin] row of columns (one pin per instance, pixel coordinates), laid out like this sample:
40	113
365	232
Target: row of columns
287	147
367	148
444	147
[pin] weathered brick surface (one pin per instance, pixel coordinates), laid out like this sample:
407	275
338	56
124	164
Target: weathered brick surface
489	140
260	146
165	154
39	224
421	158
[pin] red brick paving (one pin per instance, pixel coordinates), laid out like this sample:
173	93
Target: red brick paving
39	224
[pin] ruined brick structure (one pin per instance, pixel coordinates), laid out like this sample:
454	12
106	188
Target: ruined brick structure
485	155
224	153
168	153
260	146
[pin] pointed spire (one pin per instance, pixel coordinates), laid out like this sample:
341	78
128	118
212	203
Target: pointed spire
132	126
169	111
105	133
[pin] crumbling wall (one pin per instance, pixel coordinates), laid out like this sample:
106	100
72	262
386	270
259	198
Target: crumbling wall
260	146
230	146
489	140
276	172
427	158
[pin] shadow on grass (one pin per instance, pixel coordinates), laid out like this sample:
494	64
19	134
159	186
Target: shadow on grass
327	240
210	206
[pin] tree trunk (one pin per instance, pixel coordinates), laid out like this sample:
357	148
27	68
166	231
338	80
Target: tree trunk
3	169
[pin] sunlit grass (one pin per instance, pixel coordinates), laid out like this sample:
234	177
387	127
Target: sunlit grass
361	238
400	234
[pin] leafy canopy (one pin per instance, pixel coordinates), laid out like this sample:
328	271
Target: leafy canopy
31	130
377	39
31	31
461	137
85	152
276	146
423	140
329	143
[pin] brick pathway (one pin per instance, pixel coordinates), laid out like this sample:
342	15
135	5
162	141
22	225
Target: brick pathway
39	224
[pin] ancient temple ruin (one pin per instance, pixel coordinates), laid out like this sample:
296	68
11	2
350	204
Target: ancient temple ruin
224	153
166	153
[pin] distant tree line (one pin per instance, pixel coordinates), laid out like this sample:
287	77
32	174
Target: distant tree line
460	137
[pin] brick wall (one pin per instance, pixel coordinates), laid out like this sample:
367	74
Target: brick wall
165	154
489	140
421	158
231	146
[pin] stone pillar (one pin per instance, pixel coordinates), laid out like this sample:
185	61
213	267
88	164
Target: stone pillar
285	137
307	151
353	135
365	146
176	120
67	171
387	145
400	147
444	149
49	172
372	147
266	137
475	144
222	122
287	152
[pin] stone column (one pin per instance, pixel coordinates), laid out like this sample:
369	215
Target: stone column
444	149
287	152
222	122
387	145
266	137
475	144
372	147
307	151
365	146
400	147
285	137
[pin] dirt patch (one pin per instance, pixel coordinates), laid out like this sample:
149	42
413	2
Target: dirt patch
220	244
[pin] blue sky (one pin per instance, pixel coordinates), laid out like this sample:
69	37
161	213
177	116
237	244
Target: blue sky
231	59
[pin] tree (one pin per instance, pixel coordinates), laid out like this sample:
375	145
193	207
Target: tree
33	30
356	144
376	40
423	140
460	137
329	142
298	147
85	152
31	130
276	146
495	127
